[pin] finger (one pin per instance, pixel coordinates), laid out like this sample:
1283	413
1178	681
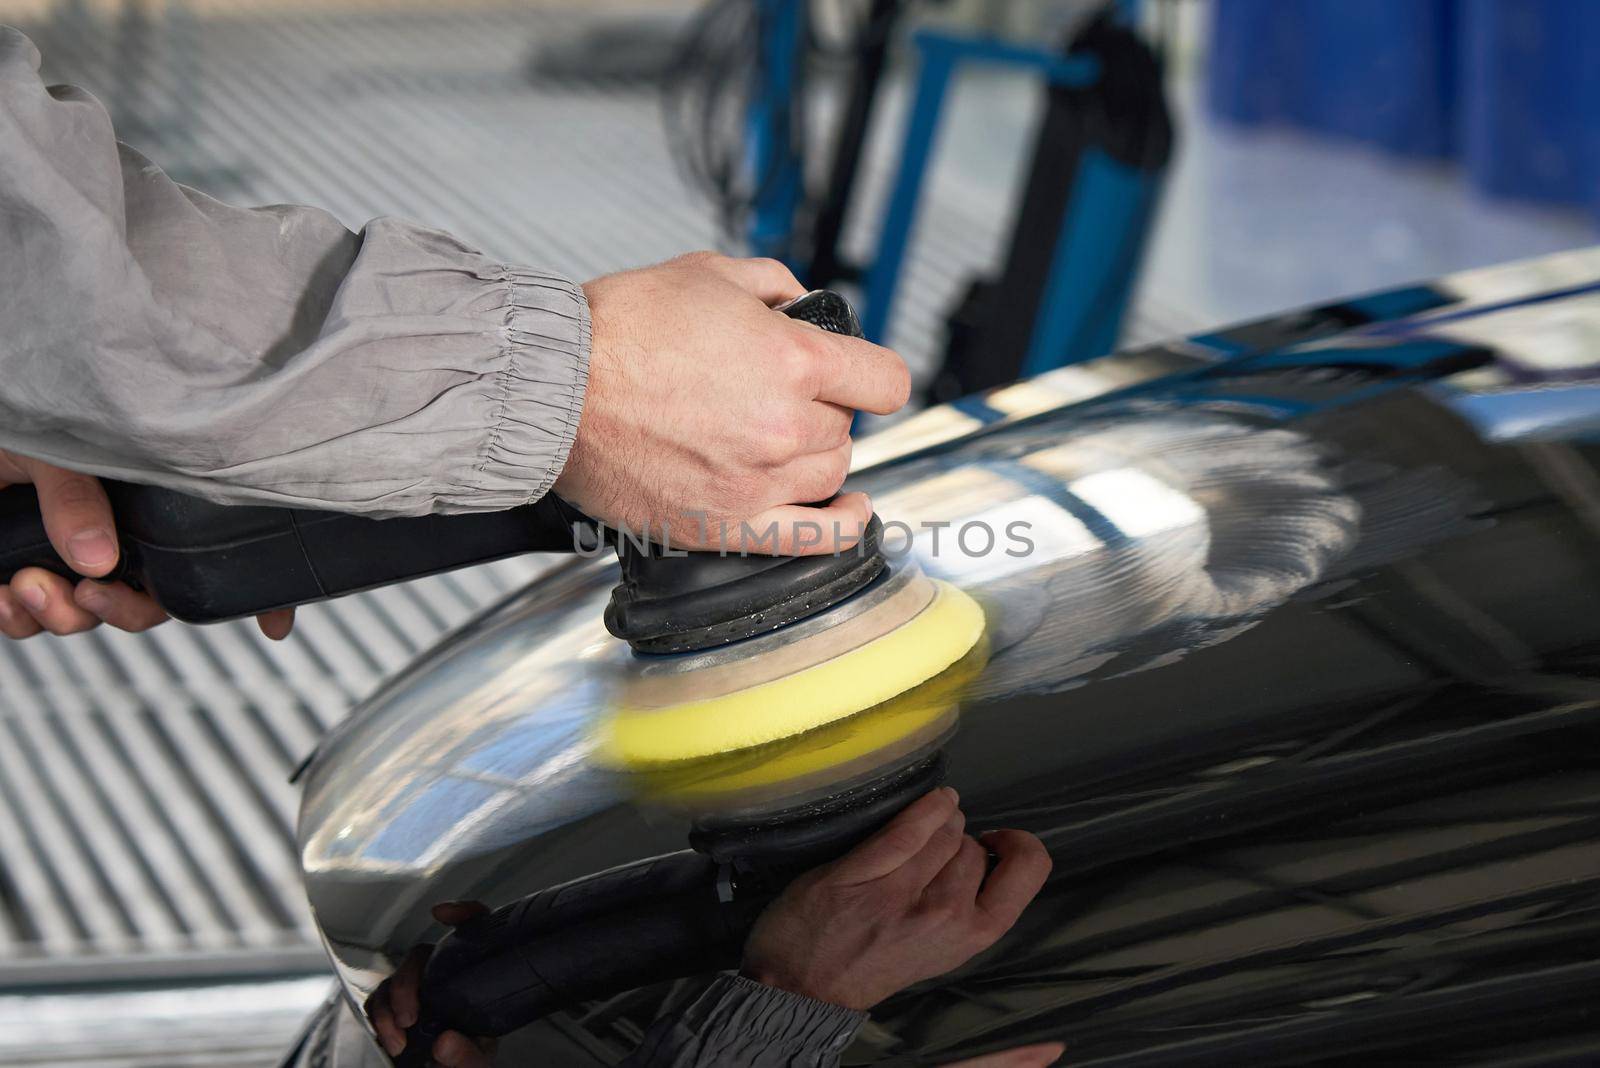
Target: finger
816	476
77	517
769	281
405	986
1035	1056
899	840
456	913
16	621
455	1050
48	598
864	376
276	624
824	427
119	605
956	884
941	848
805	530
381	1013
1016	879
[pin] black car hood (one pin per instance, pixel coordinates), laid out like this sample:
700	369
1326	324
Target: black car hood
1299	680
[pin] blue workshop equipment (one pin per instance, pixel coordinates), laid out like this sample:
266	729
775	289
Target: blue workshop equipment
1081	224
1079	227
1509	88
940	56
777	154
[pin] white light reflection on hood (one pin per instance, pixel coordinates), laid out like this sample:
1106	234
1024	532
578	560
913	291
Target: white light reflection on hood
1149	538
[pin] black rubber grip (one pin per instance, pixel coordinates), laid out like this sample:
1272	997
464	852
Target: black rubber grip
824	308
205	562
680	602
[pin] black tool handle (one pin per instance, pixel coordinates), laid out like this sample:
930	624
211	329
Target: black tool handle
205	562
646	922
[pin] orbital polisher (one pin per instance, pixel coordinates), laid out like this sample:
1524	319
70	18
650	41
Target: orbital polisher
791	705
204	562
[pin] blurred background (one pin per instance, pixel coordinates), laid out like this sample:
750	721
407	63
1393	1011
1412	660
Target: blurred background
1003	187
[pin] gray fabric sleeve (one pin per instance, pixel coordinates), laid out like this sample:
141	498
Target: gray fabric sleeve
740	1023
263	355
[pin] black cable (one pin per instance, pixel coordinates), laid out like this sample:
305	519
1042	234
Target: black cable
706	103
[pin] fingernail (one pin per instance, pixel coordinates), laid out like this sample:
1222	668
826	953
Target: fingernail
951	790
394	1045
92	548
34	597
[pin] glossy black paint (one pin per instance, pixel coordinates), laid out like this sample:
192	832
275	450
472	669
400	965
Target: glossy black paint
1327	793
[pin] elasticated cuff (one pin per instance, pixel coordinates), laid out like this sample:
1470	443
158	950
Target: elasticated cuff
539	390
754	1016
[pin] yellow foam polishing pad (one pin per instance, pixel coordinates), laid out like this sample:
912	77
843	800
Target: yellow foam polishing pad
908	653
821	761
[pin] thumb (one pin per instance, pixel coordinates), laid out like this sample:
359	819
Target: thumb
77	517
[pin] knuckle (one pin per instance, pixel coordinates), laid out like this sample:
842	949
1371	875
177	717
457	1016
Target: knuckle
767	263
77	492
840	466
827	484
839	431
703	257
900	840
781	438
797	376
840	897
812	354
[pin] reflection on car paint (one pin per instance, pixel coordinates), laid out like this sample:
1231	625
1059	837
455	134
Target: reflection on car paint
1300	683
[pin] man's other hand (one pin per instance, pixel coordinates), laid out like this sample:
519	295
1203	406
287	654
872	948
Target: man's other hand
1038	1055
915	900
77	517
397	1002
712	418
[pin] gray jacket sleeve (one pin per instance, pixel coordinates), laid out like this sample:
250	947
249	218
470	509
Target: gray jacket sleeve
153	334
738	1023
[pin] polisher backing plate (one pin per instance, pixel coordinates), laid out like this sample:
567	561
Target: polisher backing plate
823	682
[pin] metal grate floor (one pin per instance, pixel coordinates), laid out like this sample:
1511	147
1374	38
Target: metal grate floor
145	817
240	1025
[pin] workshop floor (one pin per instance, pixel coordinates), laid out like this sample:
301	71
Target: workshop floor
145	816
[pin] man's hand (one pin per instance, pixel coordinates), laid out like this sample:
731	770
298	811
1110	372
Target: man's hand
712	418
77	517
396	1003
914	901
